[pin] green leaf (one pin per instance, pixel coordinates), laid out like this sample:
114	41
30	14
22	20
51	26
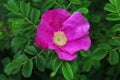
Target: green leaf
85	3
27	68
119	49
96	64
75	1
40	63
35	15
114	43
87	65
116	28
67	71
56	64
83	10
12	66
99	54
113	58
3	77
21	57
94	18
30	50
113	2
17	42
110	8
105	46
50	59
85	53
118	5
113	17
48	4
74	66
25	8
5	61
12	6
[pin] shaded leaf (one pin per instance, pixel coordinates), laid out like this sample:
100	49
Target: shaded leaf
99	54
3	77
114	43
56	64
105	46
113	57
40	63
85	53
87	65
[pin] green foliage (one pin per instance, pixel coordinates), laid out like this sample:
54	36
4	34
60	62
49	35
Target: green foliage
83	10
99	54
57	63
75	1
30	50
35	14
25	8
13	67
12	6
20	59
114	8
113	57
67	71
40	63
27	68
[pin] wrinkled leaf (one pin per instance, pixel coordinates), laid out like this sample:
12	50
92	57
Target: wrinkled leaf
27	68
110	8
113	17
40	63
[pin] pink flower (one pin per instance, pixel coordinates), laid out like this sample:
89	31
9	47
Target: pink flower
64	33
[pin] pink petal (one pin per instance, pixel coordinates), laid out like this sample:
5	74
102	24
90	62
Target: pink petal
75	26
44	35
55	18
65	56
80	44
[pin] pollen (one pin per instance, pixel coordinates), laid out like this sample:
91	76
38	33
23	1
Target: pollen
59	38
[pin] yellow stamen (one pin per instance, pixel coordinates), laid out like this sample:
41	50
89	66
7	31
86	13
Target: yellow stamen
59	38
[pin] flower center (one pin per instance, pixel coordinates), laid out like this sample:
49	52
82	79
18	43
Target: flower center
59	38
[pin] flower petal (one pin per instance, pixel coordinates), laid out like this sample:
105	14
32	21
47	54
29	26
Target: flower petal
55	18
44	35
65	56
75	26
80	44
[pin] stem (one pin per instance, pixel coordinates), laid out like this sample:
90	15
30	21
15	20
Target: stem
37	54
112	50
69	5
30	22
57	4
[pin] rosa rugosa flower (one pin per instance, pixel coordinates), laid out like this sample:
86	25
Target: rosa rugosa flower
64	33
